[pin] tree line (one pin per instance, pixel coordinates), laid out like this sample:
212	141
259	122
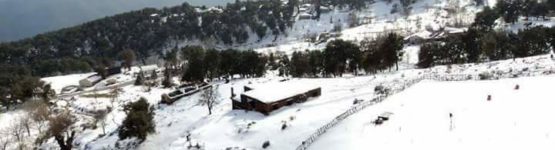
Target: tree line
195	63
481	46
511	10
147	32
481	43
339	56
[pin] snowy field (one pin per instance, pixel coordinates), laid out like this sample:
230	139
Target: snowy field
513	119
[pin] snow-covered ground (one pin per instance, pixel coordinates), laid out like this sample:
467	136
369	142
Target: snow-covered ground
59	82
420	117
230	128
513	119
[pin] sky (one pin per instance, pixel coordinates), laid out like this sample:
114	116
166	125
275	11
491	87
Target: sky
25	18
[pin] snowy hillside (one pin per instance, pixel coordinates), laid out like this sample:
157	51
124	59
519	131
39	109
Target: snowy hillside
377	19
513	119
227	128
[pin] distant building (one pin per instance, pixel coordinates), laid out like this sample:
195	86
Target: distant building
305	16
272	96
414	40
113	70
90	80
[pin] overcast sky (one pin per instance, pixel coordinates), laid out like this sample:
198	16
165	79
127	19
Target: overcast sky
24	18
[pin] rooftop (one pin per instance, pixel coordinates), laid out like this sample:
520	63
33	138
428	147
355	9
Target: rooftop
276	91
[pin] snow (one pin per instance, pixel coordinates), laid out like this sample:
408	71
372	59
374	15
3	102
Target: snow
273	92
420	114
147	68
513	119
59	82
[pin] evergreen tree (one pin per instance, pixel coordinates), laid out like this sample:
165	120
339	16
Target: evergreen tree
139	121
336	55
196	68
427	53
299	64
167	81
372	60
154	75
316	62
212	61
485	19
284	63
509	10
140	80
471	39
392	49
540	10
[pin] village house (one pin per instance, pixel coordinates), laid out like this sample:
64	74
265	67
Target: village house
268	97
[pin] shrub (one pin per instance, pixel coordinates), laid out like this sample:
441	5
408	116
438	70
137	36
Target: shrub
266	144
485	76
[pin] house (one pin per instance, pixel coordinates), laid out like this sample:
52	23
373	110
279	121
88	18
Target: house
414	40
146	70
113	70
272	96
90	80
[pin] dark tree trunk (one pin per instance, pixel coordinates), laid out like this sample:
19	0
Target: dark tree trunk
67	144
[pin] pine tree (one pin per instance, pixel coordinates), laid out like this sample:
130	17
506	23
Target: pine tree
154	75
167	81
392	50
299	64
139	121
336	55
196	68
427	54
472	45
485	19
140	80
316	62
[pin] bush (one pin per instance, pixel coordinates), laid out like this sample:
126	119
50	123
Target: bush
266	144
381	90
485	76
139	120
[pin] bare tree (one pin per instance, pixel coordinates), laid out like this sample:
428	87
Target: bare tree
38	111
16	130
100	117
25	122
128	57
4	141
115	94
60	128
209	97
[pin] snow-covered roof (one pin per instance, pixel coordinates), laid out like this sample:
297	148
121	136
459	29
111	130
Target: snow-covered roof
93	78
148	68
423	34
455	30
275	91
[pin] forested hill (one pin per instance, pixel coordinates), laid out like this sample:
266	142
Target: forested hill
145	32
